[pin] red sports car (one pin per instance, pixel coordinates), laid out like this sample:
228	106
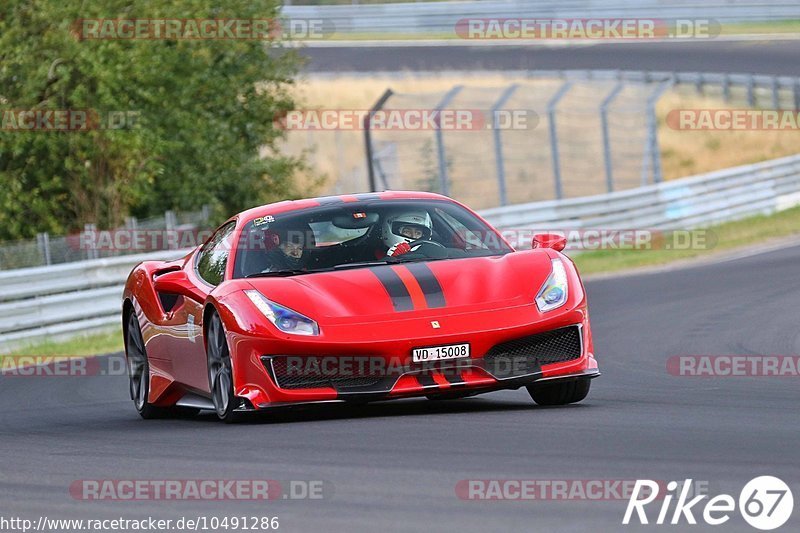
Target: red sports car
355	298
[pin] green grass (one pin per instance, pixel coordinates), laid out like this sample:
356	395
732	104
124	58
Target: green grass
753	230
776	26
94	344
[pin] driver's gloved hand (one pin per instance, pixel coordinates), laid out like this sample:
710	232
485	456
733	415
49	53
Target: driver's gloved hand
399	249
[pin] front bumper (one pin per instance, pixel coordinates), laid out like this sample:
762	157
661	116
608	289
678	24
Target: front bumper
255	378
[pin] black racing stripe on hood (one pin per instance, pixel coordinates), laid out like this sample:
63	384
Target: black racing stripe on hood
401	299
368	196
330	200
434	296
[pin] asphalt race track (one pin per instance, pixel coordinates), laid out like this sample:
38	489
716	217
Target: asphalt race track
394	467
759	57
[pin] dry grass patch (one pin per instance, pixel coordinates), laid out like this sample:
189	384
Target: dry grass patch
686	153
339	155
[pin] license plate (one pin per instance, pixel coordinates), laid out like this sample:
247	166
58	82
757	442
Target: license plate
439	353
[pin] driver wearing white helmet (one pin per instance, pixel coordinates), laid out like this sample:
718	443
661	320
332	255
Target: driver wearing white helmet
400	230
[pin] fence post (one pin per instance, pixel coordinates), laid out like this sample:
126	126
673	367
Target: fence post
43	240
373	186
444	183
606	136
169	220
776	97
726	87
91	251
551	119
498	143
797	94
340	167
652	154
751	92
131	224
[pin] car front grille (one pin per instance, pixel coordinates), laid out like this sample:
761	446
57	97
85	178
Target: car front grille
527	354
517	357
309	372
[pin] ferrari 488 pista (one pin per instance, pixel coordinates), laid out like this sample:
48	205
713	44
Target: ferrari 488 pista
355	298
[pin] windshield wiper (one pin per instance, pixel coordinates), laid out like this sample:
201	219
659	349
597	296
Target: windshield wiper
380	262
361	264
279	273
297	272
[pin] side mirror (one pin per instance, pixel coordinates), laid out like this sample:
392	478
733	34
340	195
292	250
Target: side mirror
549	240
176	282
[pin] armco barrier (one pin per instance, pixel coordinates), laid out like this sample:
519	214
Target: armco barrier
684	203
66	299
80	297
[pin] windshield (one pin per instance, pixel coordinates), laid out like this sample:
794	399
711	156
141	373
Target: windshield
363	233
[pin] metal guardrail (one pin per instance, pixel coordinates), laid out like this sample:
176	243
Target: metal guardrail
81	297
686	203
62	300
441	17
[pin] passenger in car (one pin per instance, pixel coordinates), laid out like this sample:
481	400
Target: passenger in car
288	249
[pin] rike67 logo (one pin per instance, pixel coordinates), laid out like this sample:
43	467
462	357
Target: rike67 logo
765	503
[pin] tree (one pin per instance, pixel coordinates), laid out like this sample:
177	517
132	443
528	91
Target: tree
190	117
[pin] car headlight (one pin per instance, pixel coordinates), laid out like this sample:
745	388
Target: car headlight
282	317
553	293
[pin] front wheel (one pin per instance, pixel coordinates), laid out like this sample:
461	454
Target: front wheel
220	371
571	391
139	376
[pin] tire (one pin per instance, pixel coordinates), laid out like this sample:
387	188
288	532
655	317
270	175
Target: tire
220	372
571	391
139	376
